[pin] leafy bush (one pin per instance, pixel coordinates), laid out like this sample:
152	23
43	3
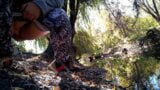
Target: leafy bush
84	43
110	39
141	26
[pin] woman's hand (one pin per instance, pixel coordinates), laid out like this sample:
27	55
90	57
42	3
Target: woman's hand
31	11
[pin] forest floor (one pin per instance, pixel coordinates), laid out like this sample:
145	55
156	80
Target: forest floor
32	74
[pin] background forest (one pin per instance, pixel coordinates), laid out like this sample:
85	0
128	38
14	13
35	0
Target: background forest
121	36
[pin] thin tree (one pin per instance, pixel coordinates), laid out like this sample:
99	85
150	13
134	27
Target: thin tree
152	7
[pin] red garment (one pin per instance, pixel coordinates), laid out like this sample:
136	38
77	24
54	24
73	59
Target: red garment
59	69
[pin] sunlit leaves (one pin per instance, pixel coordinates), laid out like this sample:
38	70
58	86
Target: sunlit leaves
141	26
42	42
85	43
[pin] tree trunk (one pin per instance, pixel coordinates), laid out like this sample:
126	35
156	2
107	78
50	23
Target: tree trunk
74	8
65	5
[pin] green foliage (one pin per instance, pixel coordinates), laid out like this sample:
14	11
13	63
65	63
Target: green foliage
100	63
110	38
127	71
92	3
147	66
87	5
20	45
138	29
41	42
85	43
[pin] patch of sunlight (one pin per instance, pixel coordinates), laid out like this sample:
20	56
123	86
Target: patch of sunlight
98	21
30	47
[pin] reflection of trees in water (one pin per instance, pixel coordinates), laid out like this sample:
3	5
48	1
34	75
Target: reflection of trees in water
133	75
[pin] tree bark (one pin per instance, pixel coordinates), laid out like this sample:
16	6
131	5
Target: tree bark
65	5
74	8
149	7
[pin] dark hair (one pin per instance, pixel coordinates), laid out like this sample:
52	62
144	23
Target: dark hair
17	5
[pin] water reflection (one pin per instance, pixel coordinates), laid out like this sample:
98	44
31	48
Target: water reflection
155	82
140	74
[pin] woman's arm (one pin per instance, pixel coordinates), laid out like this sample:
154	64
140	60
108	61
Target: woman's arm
47	5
